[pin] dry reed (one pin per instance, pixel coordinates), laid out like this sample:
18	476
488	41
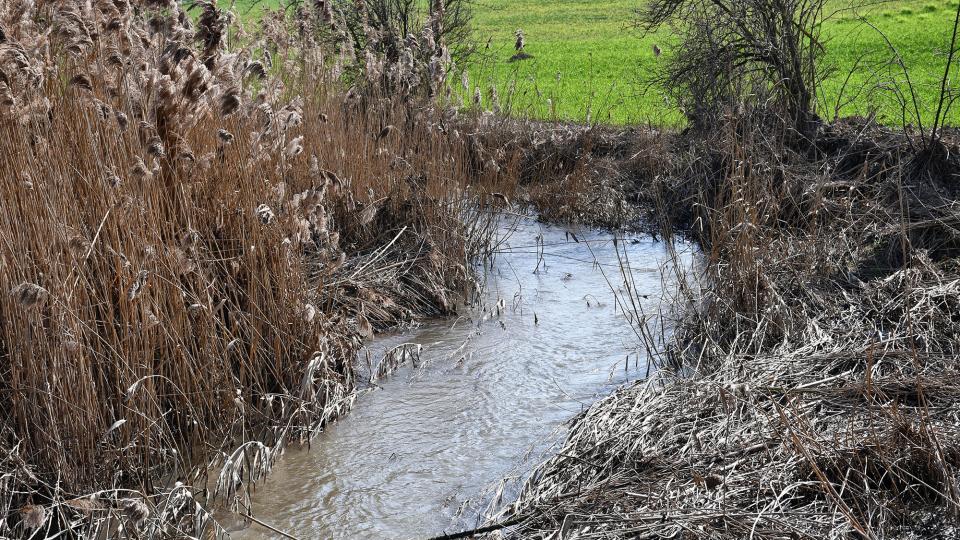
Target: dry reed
201	224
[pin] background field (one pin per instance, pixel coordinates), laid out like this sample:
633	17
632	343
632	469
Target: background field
587	58
589	63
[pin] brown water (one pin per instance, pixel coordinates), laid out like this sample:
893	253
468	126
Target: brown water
416	457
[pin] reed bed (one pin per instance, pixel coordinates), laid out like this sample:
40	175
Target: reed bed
201	224
810	387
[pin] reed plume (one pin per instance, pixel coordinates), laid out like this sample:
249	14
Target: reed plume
196	238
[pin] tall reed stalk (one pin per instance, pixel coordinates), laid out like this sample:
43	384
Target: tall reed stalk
201	224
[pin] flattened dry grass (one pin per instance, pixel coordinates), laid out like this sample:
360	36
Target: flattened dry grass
810	388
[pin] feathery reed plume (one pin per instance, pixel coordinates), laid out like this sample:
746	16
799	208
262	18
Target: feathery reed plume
203	233
367	214
229	103
386	132
294	147
33	516
265	214
81	81
211	30
29	295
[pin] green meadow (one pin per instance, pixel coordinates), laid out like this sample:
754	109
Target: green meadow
589	63
587	59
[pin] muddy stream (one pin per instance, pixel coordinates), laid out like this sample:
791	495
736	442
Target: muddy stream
423	453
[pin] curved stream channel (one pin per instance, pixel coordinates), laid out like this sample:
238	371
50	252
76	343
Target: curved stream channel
492	390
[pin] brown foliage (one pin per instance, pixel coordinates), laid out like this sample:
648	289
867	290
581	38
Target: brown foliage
192	248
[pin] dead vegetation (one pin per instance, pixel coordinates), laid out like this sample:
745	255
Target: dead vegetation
201	224
810	388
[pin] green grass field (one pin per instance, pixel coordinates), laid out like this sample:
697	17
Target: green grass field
587	60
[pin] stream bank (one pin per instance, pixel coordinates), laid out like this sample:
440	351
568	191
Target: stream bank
485	397
818	359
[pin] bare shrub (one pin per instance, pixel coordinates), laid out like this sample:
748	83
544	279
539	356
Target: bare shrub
395	20
759	52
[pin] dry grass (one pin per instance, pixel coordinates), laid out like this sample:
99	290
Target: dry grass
192	250
203	222
810	390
